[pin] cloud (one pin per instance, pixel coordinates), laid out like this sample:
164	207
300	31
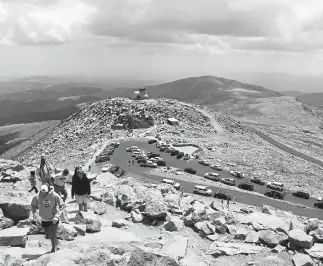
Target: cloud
275	25
33	22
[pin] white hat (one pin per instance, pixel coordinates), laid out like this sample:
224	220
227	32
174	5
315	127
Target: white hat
44	188
319	198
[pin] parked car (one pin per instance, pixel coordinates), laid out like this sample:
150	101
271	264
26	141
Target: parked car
152	155
187	156
180	155
276	186
132	148
152	141
221	195
246	186
233	173
240	175
101	159
159	144
190	170
258	181
149	164
143	160
162	148
216	167
274	194
114	169
318	204
301	194
203	162
135	153
174	152
177	186
202	190
228	181
212	176
161	163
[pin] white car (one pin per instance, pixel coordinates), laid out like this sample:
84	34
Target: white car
202	190
135	153
212	176
172	183
105	169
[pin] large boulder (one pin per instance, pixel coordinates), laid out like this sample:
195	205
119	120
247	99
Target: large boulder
252	237
34	227
147	257
156	210
229	249
269	238
175	224
13	237
15	209
125	195
241	233
90	219
66	232
316	251
302	260
268	210
300	239
311	226
317	235
136	216
176	247
205	228
5	222
120	223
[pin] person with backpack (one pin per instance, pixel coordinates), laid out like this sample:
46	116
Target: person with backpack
33	182
50	207
81	188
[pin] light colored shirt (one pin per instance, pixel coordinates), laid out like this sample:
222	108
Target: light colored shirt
50	205
60	179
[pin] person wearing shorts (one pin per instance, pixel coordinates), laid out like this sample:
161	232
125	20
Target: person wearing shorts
59	184
81	188
50	206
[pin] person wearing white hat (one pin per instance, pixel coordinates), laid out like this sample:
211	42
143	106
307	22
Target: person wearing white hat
50	206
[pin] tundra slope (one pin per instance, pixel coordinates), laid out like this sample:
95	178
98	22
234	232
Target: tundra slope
77	139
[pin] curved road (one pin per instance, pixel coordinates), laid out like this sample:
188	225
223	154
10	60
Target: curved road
121	158
286	148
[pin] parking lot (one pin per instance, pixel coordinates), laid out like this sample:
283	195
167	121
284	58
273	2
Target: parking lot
121	158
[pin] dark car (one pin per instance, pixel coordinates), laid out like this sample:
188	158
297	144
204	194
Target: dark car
141	160
258	181
161	163
180	155
114	169
163	148
302	194
152	155
274	194
190	170
203	162
319	204
101	159
246	186
152	141
221	195
240	175
174	152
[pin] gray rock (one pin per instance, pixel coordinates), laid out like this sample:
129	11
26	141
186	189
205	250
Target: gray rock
15	209
176	247
311	226
66	232
156	210
258	226
241	233
34	228
283	238
99	208
300	239
229	249
278	249
317	235
302	260
91	220
13	237
119	223
316	251
136	217
252	237
220	230
205	228
268	210
80	229
147	257
175	224
269	238
232	229
6	223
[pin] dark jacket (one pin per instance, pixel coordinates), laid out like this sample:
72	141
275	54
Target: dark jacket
80	186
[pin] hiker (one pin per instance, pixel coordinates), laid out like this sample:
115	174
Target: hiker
133	161
33	182
81	188
89	168
50	207
59	181
45	171
228	203
129	163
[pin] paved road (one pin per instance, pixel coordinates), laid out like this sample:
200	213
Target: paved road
286	148
121	158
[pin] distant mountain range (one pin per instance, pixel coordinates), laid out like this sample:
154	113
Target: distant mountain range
312	99
293	93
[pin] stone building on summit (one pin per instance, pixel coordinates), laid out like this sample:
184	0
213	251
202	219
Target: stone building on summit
140	94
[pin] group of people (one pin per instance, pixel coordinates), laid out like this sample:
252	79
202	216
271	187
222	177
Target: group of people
50	199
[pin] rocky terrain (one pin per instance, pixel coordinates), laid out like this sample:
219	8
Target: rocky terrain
130	223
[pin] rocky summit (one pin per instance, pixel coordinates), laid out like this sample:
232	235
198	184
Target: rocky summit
133	218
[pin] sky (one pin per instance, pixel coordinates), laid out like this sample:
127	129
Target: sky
160	39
